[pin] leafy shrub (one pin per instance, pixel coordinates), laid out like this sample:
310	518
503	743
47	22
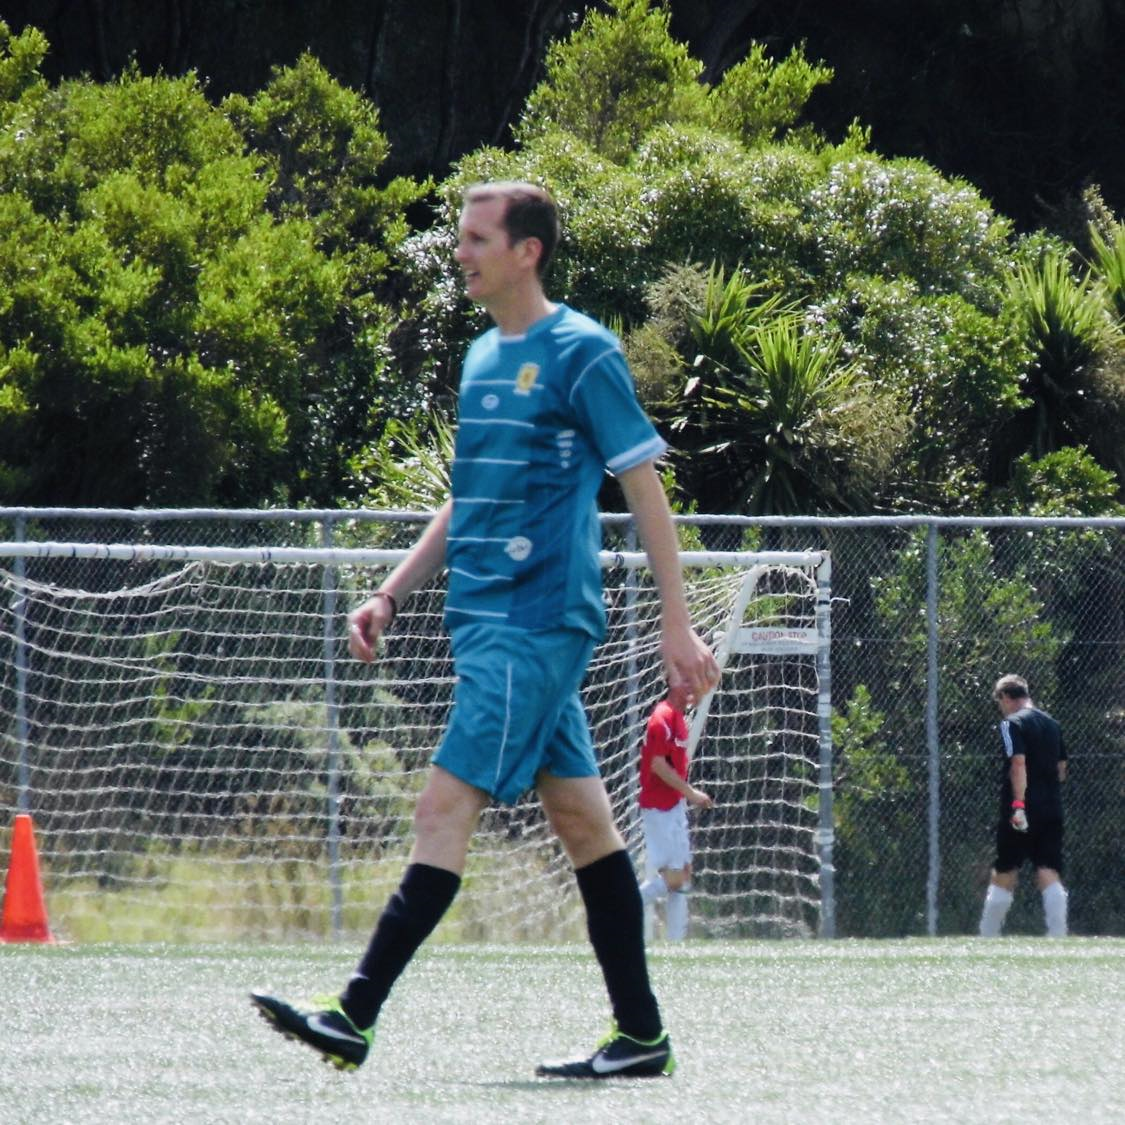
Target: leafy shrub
757	99
771	418
187	317
902	218
954	367
1109	267
617	77
900	270
1073	383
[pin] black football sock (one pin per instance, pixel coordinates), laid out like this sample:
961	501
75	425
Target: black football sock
409	917
615	923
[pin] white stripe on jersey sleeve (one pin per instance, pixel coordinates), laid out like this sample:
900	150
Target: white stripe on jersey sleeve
1006	735
631	458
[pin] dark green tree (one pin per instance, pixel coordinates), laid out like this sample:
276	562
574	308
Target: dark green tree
186	318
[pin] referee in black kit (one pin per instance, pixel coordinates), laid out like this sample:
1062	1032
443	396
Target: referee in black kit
1031	814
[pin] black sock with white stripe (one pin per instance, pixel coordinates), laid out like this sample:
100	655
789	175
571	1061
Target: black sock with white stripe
409	917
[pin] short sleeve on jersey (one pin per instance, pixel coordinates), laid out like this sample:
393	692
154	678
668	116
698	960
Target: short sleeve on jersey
604	398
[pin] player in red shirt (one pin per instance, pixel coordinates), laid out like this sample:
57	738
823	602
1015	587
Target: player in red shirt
664	796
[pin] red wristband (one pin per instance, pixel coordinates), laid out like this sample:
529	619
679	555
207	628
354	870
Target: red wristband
1017	805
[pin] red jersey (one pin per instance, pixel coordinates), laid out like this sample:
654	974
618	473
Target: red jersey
665	737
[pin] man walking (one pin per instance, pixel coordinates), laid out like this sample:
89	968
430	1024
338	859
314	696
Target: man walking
546	405
1031	816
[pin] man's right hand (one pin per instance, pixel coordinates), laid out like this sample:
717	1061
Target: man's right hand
690	667
1019	819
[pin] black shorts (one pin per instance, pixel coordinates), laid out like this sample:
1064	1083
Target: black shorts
1042	845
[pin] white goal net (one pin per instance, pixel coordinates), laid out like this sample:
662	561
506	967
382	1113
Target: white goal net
204	762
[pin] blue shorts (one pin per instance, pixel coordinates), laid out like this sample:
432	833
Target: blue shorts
516	709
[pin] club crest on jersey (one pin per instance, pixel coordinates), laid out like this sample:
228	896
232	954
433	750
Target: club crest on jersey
526	377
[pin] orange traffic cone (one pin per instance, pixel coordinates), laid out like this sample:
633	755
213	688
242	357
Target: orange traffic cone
25	914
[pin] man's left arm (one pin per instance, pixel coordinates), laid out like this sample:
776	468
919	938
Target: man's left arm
689	664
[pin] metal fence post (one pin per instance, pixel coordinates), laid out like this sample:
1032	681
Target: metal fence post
19	612
332	716
933	755
632	704
826	830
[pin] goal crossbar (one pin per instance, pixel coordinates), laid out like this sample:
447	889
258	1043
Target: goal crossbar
153	552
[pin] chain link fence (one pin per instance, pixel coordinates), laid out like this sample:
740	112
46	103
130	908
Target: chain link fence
926	614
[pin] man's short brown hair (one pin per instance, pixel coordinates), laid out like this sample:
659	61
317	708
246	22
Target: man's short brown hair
1013	687
530	213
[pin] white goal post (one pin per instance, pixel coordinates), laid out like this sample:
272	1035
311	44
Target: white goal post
203	761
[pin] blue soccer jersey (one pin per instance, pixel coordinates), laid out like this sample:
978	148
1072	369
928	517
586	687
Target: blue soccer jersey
541	417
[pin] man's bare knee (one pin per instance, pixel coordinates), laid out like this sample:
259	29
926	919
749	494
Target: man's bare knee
1045	876
579	813
675	878
1005	879
582	835
445	818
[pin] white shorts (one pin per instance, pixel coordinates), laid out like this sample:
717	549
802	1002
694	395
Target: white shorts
666	838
